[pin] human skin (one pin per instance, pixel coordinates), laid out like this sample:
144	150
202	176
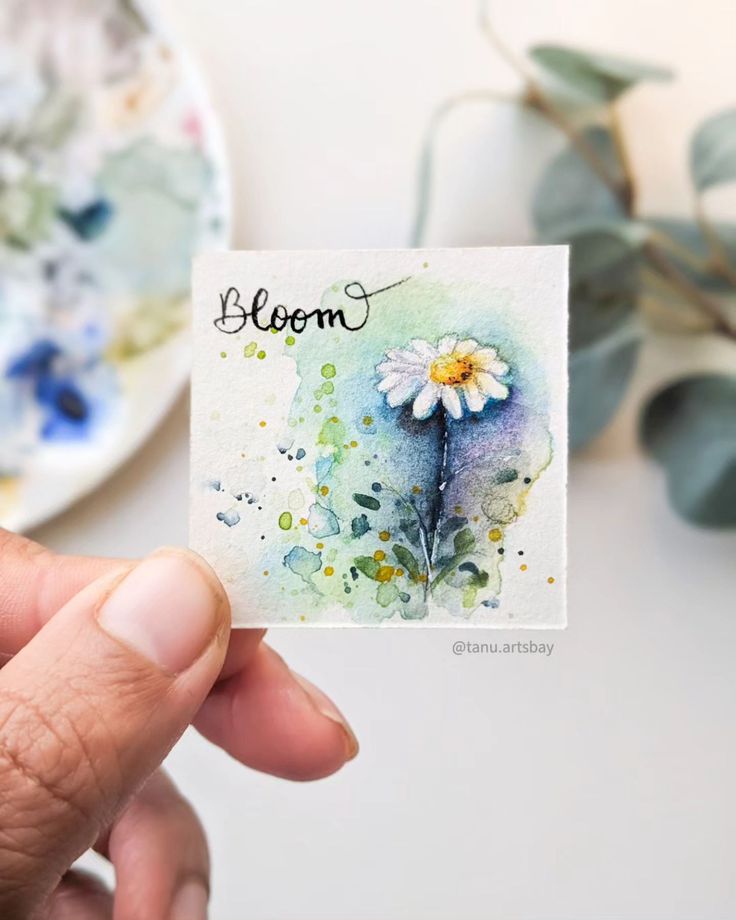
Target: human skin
104	663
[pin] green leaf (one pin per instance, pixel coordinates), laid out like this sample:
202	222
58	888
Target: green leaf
599	246
599	77
713	151
571	192
367	565
690	427
366	501
599	377
601	303
464	542
406	558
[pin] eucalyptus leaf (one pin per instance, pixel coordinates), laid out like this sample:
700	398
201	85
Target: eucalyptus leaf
571	192
597	246
599	377
690	427
599	77
713	151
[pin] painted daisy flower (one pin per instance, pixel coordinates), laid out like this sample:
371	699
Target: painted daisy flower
461	374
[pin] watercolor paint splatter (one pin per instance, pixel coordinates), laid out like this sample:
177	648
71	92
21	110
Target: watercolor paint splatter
111	179
404	433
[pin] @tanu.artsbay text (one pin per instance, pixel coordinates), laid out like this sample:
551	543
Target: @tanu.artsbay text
520	647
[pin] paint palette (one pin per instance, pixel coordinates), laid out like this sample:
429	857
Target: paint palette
379	438
112	176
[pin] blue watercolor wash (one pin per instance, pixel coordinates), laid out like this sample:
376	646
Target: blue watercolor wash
68	414
229	518
91	222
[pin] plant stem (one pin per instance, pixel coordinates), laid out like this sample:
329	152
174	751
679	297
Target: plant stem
719	261
706	304
440	488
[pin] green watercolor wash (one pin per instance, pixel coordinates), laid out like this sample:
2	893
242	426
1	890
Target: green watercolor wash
223	354
290	340
318	408
285	520
386	594
328	387
328	371
333	434
261	355
250	349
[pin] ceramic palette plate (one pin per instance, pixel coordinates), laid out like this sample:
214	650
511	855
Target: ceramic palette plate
112	176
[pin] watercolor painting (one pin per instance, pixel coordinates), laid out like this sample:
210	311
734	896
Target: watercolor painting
111	179
388	481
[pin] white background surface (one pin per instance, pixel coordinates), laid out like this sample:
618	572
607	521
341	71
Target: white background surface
599	782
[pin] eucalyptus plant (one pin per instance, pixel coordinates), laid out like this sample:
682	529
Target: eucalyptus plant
632	274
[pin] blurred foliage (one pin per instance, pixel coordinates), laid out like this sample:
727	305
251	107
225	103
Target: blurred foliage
632	275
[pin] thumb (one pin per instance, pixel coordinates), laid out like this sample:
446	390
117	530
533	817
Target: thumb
91	706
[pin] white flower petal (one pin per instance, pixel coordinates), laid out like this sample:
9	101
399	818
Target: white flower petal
396	367
423	349
451	402
404	356
491	387
488	359
446	344
403	392
466	347
426	400
390	381
474	398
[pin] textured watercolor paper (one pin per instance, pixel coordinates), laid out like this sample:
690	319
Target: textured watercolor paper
379	437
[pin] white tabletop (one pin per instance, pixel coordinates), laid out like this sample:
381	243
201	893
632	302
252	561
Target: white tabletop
597	782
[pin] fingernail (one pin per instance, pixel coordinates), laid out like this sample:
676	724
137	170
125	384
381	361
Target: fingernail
327	708
166	609
190	902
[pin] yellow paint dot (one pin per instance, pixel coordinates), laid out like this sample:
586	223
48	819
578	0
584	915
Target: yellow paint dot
458	509
494	535
302	618
324	490
385	573
223	354
353	443
523	566
334	420
417	490
262	424
320	546
367	420
399	572
266	572
303	522
422	577
550	580
384	535
329	571
476	518
379	555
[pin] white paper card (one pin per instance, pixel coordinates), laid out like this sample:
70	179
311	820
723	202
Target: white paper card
379	437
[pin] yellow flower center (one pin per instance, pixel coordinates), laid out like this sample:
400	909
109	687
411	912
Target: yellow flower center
452	370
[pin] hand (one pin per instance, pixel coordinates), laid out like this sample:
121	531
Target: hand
104	664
